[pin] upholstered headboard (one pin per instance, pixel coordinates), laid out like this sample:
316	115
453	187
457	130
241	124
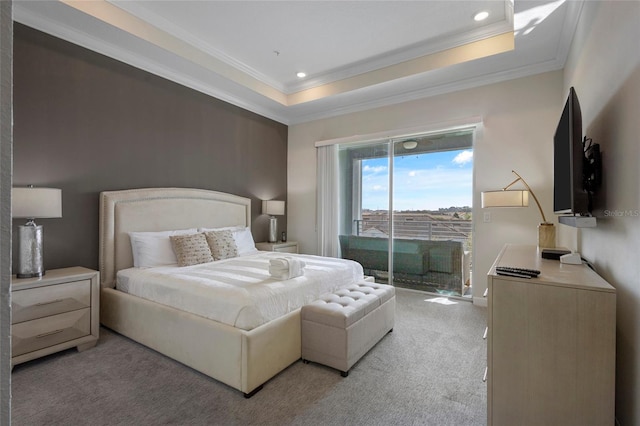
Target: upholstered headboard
159	209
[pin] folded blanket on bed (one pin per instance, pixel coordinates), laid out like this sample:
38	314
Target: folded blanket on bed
284	268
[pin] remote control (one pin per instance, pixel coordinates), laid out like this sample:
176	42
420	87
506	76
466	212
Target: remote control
524	271
513	274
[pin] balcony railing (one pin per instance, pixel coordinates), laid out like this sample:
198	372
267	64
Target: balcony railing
437	230
420	229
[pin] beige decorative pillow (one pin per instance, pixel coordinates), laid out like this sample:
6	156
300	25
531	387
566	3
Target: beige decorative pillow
191	249
222	244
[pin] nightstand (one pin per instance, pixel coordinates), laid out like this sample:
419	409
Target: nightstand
56	312
283	247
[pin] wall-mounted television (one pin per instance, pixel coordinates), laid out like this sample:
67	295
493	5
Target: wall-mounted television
576	163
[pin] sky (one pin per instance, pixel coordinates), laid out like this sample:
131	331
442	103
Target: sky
422	182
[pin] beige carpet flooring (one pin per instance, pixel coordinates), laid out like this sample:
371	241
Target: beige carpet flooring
428	371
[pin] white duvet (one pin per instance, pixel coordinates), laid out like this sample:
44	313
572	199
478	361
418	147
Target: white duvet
239	291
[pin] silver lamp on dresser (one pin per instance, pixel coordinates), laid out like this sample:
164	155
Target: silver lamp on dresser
273	208
33	203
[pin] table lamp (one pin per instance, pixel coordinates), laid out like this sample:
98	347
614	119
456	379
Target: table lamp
520	198
33	203
273	208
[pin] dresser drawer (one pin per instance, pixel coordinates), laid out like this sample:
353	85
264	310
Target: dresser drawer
287	249
40	333
42	302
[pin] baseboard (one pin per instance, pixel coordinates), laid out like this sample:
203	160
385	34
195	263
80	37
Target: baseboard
480	301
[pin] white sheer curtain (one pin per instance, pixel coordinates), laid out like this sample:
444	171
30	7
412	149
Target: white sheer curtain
328	200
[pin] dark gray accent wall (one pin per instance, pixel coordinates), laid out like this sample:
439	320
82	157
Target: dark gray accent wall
86	123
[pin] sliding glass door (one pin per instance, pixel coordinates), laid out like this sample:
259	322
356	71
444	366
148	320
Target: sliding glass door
405	210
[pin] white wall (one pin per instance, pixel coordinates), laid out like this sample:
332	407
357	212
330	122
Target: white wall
519	120
604	68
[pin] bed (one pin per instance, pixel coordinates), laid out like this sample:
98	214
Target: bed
241	357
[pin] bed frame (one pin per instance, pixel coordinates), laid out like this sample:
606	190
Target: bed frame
242	359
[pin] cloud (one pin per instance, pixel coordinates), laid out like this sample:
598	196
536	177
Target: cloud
420	182
374	169
463	158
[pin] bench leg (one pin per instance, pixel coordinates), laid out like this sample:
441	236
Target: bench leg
344	373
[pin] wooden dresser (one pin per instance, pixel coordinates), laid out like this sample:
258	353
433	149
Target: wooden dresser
551	343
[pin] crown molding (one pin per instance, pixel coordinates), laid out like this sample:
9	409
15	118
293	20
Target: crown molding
65	32
189	74
571	18
187	37
426	48
412	95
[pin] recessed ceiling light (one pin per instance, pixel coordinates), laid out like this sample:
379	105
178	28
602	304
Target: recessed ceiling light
301	74
481	16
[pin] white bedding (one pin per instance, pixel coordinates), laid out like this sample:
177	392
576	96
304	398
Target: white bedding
239	292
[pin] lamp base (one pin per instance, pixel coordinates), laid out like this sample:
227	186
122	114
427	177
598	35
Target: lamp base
273	229
34	275
546	235
30	252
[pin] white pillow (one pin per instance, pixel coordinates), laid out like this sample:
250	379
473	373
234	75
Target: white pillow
242	236
244	241
151	249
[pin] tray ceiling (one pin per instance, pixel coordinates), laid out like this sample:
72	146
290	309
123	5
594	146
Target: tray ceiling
356	54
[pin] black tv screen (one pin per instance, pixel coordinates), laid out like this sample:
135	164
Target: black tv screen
569	195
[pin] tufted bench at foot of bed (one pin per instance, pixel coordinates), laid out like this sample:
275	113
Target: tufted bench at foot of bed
340	327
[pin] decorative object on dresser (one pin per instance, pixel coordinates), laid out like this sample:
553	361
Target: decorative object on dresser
282	247
551	343
273	208
506	197
53	313
33	203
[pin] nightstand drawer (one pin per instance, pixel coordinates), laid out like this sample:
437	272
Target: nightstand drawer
35	303
32	335
280	246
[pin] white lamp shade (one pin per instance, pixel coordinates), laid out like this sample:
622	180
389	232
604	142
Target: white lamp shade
36	203
502	198
273	207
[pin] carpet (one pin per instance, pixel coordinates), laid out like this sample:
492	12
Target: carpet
428	371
